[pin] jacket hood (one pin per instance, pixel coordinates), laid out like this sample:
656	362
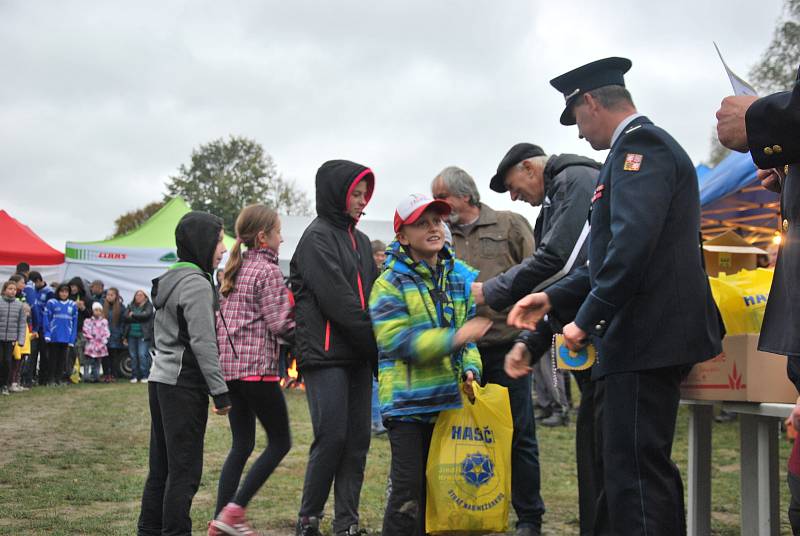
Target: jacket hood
196	237
78	282
164	285
559	162
399	260
335	180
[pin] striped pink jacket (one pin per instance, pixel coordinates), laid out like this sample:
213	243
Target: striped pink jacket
256	313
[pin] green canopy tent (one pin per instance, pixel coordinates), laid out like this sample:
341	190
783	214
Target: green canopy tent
131	261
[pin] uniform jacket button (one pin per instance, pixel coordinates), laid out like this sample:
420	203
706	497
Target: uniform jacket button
768	151
785	226
777	149
598	327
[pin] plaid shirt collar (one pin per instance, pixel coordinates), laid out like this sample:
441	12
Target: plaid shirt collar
266	253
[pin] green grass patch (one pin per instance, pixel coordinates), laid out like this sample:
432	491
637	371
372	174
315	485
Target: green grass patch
74	461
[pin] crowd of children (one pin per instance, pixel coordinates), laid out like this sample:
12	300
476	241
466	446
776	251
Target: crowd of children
60	334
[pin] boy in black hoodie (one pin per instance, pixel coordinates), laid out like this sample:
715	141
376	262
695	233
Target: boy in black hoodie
185	370
332	273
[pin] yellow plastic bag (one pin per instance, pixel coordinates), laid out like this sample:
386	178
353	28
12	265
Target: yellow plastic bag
742	299
469	466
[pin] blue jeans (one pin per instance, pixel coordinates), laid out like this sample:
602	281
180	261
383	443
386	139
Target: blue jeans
525	474
94	368
140	357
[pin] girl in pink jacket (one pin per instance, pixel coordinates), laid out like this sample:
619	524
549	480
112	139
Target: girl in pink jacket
96	333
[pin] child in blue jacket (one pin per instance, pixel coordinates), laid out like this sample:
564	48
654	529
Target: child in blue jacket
60	331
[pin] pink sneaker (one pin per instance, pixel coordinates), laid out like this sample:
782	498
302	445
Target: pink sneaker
231	521
213	530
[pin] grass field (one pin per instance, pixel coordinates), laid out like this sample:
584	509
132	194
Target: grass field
73	461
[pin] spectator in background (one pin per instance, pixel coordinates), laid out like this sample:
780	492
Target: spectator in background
21	353
38	358
77	293
97	293
378	253
60	331
96	333
19	286
12	332
23	268
139	334
114	311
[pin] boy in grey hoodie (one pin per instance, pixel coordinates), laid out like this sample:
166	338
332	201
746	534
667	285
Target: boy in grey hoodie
185	371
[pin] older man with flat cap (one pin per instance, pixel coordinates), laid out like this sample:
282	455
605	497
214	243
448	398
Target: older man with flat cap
562	185
644	297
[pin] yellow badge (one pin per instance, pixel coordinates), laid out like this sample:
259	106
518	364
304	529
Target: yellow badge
633	162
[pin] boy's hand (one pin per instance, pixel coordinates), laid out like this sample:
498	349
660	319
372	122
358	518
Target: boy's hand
518	361
221	411
472	330
467	386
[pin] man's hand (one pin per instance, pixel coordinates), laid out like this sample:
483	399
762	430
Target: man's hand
771	179
575	337
467	387
221	411
518	361
477	293
471	331
795	416
731	128
528	311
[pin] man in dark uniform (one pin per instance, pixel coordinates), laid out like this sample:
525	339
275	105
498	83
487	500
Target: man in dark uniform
770	129
644	298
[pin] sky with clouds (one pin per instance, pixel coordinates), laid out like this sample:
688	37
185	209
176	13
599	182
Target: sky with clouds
102	101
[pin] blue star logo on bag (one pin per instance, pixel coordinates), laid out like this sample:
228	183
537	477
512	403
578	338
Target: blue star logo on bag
477	469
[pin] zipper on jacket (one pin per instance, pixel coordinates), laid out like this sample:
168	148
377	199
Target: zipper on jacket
327	335
361	291
358	272
408	374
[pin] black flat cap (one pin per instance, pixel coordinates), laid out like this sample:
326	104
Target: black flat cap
600	73
515	155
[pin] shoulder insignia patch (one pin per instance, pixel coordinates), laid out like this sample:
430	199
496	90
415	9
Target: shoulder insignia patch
633	162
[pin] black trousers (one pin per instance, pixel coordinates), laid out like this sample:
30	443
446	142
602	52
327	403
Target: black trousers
587	452
57	355
250	401
177	430
526	495
30	367
642	488
6	362
405	508
42	346
340	405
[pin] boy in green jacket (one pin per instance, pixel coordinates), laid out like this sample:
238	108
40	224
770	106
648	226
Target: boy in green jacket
425	326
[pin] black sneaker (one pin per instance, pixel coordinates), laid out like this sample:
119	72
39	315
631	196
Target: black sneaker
307	526
353	531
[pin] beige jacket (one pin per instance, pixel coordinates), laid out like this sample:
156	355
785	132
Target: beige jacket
497	241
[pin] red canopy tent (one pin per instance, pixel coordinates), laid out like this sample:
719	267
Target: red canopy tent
20	244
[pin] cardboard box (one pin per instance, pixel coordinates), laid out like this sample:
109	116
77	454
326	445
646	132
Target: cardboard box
740	373
729	253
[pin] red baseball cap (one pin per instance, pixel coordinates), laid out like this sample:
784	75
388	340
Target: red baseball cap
411	208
